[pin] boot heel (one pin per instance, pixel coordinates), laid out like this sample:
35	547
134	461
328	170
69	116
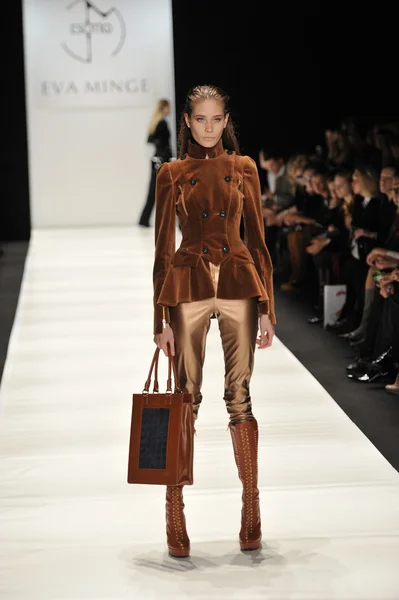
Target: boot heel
179	552
250	546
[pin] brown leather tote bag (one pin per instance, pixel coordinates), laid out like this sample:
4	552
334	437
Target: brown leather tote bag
161	448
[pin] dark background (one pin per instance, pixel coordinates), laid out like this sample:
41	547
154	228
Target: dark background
291	71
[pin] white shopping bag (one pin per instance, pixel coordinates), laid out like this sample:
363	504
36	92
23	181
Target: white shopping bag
334	299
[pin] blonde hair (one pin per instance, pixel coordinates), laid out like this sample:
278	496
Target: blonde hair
369	178
206	92
298	161
157	115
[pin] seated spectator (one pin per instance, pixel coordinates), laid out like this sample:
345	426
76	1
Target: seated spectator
278	195
306	223
328	247
378	354
386	218
340	228
344	192
279	192
364	232
340	153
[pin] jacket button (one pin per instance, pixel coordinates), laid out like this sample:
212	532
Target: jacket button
222	213
225	248
204	249
205	214
227	178
193	182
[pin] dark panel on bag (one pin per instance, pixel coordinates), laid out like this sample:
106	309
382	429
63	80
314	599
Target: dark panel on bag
154	438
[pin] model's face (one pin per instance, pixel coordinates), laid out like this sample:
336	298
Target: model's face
207	122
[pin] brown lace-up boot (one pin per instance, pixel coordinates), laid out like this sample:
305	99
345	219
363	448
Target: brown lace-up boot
176	534
245	444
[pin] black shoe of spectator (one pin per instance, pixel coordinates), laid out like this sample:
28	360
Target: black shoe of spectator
340	326
374	369
385	358
360	364
351	336
372	374
315	319
356	343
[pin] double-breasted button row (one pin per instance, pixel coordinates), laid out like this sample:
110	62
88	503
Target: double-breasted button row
205	214
194	181
205	249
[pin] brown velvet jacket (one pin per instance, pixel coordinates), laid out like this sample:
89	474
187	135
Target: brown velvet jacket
209	197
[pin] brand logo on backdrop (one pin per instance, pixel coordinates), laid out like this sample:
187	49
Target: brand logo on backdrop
93	23
93	55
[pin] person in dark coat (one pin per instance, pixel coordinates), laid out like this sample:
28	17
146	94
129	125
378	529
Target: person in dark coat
159	135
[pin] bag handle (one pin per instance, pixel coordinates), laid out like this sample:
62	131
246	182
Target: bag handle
154	365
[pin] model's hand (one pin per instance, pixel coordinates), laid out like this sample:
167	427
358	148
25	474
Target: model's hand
163	339
266	332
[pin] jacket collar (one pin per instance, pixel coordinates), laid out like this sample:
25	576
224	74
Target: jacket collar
197	151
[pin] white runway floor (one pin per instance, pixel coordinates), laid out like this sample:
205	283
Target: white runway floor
72	528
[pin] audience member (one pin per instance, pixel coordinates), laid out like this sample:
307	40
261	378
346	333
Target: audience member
335	219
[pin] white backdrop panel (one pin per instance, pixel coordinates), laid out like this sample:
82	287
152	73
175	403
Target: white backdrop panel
94	71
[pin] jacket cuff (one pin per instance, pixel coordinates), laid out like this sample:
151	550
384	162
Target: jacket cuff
161	314
264	309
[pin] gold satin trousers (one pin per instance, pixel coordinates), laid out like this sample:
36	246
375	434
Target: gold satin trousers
238	326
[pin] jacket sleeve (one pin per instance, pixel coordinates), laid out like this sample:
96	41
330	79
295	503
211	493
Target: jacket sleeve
254	231
165	239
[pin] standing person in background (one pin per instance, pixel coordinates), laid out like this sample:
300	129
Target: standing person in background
278	196
279	193
159	135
